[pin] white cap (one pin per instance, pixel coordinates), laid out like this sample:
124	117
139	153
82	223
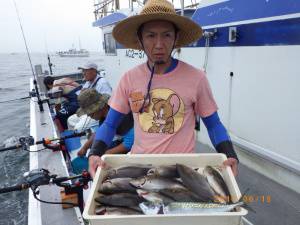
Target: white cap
88	65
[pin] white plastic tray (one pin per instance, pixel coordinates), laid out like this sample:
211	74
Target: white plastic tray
192	160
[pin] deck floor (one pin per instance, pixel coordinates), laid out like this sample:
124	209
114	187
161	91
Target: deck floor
284	205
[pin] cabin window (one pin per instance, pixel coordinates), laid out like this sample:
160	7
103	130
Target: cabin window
109	44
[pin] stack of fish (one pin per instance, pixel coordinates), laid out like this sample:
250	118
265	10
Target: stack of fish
173	189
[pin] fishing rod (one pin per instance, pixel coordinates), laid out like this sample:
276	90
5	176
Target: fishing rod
48	57
35	178
25	142
16	99
40	102
50	64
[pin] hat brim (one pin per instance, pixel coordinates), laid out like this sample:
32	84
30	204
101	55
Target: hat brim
93	108
85	68
125	32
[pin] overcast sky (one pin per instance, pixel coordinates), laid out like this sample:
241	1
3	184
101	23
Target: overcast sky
50	25
56	24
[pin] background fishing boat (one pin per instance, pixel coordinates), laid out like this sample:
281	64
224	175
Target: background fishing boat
74	53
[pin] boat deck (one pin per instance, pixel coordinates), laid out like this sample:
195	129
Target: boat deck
283	207
41	126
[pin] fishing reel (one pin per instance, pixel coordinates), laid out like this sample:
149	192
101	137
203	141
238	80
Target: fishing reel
25	142
37	177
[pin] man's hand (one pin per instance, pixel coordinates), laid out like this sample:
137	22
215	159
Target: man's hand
95	162
58	107
233	163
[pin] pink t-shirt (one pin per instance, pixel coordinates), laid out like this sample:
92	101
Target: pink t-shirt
167	124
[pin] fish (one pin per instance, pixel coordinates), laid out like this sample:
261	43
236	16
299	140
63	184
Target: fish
117	185
169	171
119	199
198	207
155	183
150	208
154	196
180	195
196	182
108	210
128	171
136	208
217	183
99	209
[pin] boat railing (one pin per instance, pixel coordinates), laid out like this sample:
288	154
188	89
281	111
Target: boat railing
105	7
101	8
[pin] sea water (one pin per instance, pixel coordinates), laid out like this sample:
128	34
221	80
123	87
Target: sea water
15	74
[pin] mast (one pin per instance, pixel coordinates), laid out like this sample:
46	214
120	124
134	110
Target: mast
131	5
117	5
79	43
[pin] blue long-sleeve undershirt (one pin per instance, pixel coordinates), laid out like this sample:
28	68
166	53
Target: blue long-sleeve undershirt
128	139
216	130
107	130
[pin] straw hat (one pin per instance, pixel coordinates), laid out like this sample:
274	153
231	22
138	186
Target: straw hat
125	32
91	101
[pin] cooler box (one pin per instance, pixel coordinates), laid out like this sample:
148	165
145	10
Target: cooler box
192	160
71	143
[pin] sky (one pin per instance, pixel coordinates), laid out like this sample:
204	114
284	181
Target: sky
49	25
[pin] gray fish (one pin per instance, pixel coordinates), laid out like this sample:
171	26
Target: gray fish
164	171
150	208
154	196
196	207
108	210
154	183
116	185
99	209
128	171
217	183
196	183
136	208
121	211
119	199
180	195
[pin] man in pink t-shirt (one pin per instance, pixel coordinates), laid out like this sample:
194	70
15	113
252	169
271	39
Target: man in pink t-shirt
164	94
167	123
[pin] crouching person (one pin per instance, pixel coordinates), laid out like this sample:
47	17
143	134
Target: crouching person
96	106
69	90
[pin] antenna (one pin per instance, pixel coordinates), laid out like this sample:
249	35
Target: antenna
28	55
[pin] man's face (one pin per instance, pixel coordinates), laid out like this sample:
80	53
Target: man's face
89	74
158	38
